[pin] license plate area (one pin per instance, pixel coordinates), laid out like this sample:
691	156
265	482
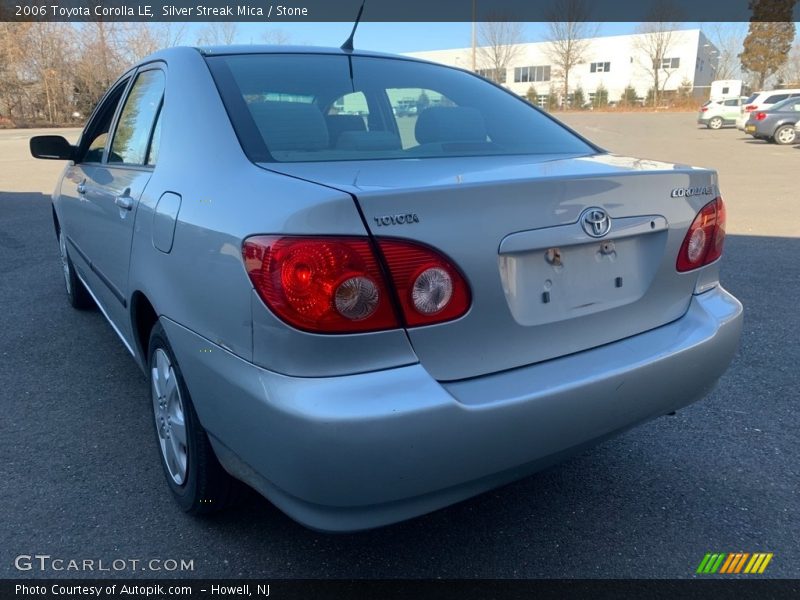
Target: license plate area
749	128
556	282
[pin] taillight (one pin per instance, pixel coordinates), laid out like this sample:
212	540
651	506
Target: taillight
336	284
703	109
760	116
430	288
323	285
704	240
750	107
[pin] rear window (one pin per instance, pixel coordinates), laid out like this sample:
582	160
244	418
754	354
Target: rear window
774	99
308	107
750	98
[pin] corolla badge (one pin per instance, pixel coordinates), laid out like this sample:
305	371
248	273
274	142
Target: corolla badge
692	191
595	222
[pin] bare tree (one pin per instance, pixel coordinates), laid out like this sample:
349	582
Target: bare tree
499	46
218	33
142	39
727	38
100	59
12	45
568	37
790	72
276	37
653	44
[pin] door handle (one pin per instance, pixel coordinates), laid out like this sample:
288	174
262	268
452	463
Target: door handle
82	187
124	202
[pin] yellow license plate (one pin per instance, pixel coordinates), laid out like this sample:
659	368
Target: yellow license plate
749	128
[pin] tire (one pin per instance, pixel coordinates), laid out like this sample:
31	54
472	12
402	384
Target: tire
715	123
195	477
785	135
77	295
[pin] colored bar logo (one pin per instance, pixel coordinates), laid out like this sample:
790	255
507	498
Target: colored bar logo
734	562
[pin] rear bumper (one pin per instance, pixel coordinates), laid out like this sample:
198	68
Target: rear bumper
359	451
758	130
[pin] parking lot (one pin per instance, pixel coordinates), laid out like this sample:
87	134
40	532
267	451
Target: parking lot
81	478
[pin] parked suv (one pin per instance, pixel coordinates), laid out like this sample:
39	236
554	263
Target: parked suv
714	114
762	100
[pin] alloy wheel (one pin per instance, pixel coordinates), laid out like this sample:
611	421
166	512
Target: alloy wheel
170	416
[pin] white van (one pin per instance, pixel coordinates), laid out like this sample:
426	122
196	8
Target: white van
762	100
724	89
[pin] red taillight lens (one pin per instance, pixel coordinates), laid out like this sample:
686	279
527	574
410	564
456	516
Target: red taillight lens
760	116
323	285
704	240
703	109
429	287
750	107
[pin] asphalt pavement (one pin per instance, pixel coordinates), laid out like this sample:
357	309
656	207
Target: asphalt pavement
80	478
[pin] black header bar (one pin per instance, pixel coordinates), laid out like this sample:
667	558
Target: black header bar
284	11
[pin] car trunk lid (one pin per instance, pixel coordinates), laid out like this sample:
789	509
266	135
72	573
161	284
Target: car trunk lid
520	229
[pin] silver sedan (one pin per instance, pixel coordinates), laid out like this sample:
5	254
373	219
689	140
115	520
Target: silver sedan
370	286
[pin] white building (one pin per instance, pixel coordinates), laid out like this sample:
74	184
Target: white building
612	61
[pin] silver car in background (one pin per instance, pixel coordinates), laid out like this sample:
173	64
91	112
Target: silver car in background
776	123
368	312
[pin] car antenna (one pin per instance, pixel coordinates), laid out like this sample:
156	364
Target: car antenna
348	44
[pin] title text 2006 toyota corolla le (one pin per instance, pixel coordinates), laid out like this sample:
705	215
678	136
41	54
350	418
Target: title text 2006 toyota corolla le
368	312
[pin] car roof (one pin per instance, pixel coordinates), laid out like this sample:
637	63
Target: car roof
286	49
786	91
238	50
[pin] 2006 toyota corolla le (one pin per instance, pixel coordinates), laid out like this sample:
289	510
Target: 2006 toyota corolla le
368	312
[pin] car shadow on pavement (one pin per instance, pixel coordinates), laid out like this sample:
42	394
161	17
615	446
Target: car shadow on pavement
83	478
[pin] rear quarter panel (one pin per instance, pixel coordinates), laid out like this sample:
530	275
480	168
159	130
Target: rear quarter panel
201	283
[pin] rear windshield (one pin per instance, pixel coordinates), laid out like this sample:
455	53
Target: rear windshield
750	98
307	107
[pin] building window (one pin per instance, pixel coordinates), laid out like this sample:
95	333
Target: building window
525	74
668	63
600	67
496	75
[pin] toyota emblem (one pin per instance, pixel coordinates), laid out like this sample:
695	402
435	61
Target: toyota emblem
595	222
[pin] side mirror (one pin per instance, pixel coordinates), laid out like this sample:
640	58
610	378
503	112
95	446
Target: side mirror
53	147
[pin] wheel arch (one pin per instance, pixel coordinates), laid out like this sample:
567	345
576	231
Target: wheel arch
143	317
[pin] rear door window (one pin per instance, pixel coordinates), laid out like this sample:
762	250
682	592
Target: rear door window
155	142
135	125
774	99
